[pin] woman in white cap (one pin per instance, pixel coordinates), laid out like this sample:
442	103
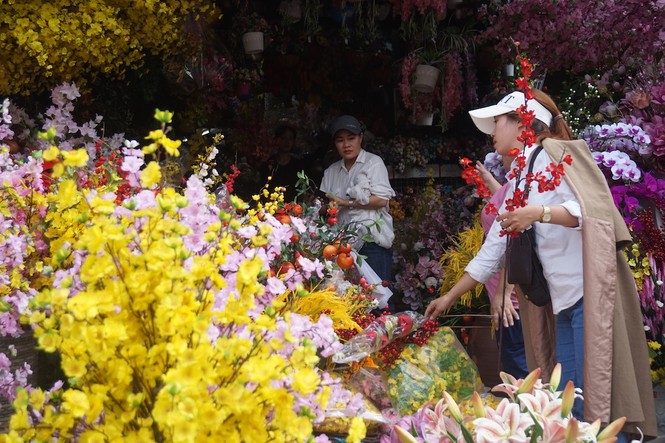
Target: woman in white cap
359	183
599	336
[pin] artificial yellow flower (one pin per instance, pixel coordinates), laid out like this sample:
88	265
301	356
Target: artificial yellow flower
73	367
58	170
306	381
151	175
163	116
51	153
171	146
76	402
75	157
357	431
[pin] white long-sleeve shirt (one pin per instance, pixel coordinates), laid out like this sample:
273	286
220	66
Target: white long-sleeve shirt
559	248
369	173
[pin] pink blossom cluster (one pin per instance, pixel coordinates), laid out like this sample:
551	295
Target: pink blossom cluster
408	68
407	8
20	242
452	92
69	133
10	379
569	35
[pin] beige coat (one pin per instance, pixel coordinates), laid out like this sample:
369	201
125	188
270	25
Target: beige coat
617	381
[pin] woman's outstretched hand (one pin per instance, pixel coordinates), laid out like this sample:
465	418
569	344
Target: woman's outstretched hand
438	307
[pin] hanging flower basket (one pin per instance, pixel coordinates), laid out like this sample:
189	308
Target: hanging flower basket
426	78
253	42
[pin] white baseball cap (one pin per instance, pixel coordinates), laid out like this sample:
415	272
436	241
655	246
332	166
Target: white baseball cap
484	117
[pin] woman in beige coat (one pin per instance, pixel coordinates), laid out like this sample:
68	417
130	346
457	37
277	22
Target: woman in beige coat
599	337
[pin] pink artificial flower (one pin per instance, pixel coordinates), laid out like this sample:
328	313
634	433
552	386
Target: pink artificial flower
638	98
506	424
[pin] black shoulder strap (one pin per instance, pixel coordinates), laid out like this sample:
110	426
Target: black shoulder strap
532	160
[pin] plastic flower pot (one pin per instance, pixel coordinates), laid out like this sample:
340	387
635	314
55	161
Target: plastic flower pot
252	42
426	78
426	119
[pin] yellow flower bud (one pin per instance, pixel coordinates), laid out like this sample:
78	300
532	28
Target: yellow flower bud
163	116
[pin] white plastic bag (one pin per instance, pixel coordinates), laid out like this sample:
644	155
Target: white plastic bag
381	293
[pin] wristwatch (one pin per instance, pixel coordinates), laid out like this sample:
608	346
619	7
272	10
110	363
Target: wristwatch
351	202
546	217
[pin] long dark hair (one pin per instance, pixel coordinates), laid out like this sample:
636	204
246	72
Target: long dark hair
558	128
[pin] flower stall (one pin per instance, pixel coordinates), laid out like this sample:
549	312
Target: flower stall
179	312
177	297
150	355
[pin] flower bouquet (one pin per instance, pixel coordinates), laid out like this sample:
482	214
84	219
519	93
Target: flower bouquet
422	372
428	221
381	332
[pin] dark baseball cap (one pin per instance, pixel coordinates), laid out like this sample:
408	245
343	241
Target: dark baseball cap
348	122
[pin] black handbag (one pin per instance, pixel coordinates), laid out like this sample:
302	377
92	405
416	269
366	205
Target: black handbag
523	267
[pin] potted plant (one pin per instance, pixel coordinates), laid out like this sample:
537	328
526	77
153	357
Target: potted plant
252	27
432	55
428	69
422	68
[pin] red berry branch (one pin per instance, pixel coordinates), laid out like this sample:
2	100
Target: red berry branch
471	176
